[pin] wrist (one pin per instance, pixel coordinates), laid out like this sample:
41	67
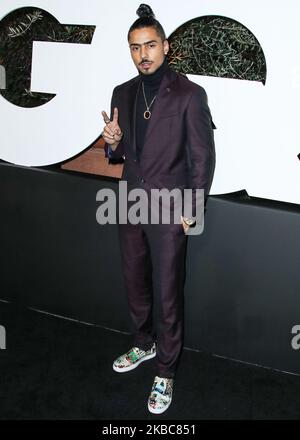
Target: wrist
114	145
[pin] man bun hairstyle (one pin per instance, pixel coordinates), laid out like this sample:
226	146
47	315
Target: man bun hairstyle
147	19
145	11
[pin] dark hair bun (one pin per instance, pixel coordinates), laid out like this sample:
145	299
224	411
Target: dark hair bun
145	11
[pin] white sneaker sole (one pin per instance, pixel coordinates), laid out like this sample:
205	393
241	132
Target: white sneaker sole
133	366
159	411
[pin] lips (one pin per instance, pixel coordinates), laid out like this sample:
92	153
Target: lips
146	65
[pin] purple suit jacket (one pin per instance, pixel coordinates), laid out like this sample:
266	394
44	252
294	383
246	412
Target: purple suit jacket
179	150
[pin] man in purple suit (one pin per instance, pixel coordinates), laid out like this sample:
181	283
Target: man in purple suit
161	124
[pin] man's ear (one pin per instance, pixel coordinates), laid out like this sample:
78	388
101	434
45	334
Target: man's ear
166	47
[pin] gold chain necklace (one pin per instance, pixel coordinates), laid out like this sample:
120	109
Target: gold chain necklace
147	113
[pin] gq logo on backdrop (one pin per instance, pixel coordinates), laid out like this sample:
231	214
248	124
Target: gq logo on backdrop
35	134
45	73
18	30
229	55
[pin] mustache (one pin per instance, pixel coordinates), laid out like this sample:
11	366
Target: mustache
145	61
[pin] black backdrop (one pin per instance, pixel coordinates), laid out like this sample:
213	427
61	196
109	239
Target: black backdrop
242	294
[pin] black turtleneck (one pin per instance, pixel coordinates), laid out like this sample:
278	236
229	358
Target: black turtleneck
151	86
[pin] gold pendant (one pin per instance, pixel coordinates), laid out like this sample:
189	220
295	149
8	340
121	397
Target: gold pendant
147	114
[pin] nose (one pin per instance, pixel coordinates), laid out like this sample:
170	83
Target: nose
144	52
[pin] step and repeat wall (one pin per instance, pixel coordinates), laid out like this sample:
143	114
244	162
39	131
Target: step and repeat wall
61	59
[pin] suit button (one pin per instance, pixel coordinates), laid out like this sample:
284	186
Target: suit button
134	160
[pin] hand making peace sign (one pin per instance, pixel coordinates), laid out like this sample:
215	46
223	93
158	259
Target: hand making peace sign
112	133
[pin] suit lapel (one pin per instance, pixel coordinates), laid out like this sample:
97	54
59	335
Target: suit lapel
132	102
163	104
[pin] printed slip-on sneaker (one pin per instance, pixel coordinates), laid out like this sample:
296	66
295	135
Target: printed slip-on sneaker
133	358
161	395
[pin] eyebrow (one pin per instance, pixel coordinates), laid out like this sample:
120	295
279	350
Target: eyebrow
147	42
